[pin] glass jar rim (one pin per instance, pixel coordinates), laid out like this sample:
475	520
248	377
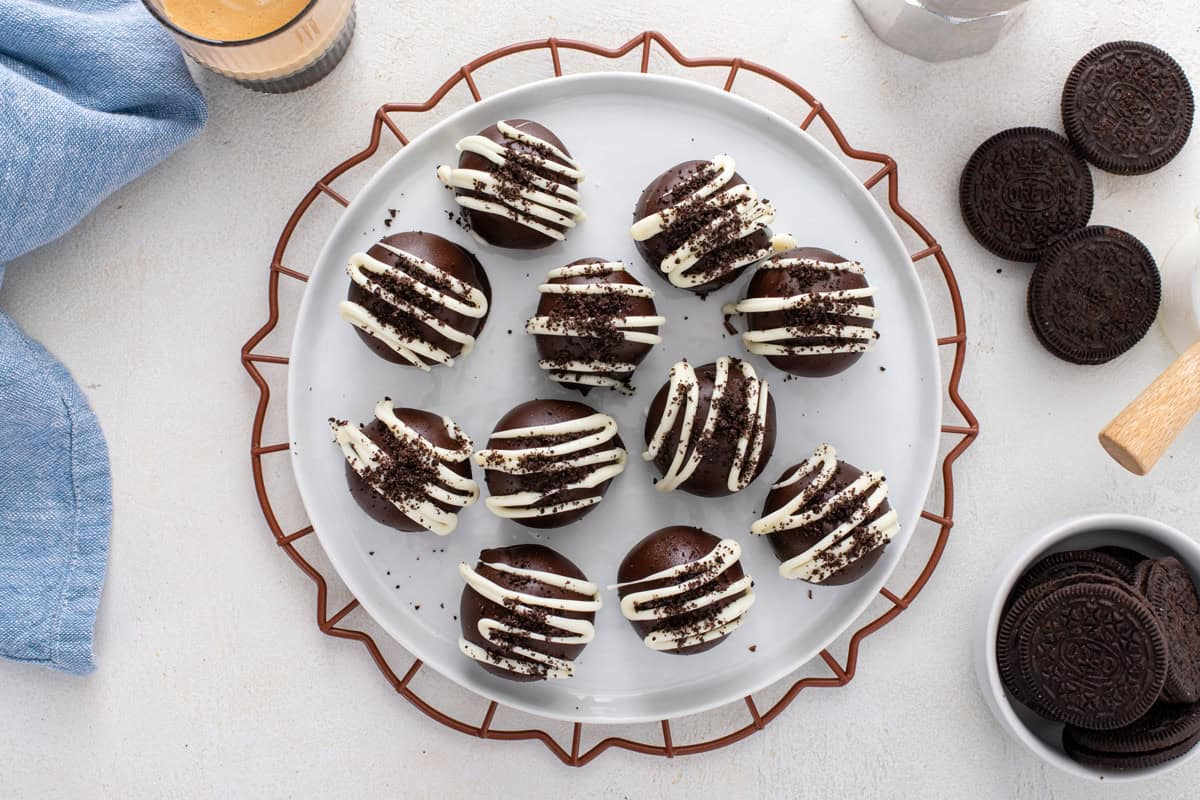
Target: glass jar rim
161	16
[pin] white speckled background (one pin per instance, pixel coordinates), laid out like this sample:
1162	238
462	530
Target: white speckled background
213	679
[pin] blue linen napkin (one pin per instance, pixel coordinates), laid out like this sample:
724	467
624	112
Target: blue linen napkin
92	94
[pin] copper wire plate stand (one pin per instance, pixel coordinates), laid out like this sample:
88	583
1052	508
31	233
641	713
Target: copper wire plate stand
330	621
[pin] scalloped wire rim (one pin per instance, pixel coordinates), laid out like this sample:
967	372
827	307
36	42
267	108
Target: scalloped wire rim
329	623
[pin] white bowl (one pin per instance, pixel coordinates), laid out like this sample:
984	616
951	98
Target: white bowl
1044	738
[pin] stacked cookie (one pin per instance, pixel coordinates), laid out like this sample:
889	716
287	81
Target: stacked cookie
1026	195
1107	642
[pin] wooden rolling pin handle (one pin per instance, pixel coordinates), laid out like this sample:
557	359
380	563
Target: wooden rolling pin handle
1141	433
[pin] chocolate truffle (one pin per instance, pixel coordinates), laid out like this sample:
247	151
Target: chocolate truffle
527	612
418	299
595	323
683	589
809	311
710	431
549	462
828	521
407	468
516	182
700	224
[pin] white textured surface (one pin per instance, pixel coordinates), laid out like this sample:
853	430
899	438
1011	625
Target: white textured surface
213	680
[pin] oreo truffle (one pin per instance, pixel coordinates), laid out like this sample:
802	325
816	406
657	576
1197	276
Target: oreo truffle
549	462
516	183
417	299
827	520
699	224
809	311
683	589
407	468
527	612
710	431
594	324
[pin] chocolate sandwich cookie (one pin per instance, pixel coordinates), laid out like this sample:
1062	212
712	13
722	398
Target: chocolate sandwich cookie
1069	563
1165	732
1022	189
1173	599
1164	725
1130	558
1094	295
1007	637
1127	761
1140	573
1092	655
1128	107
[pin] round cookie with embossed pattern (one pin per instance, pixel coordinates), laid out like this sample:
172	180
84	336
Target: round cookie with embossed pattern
1128	107
1094	295
1164	725
1093	656
1173	599
1071	563
1130	558
1007	636
1165	732
1022	189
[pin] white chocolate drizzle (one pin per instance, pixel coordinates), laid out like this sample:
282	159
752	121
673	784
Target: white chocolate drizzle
840	337
608	373
567	630
736	214
594	469
452	489
548	206
647	605
462	298
683	401
827	556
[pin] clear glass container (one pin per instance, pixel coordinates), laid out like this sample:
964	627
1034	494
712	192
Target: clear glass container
293	56
940	30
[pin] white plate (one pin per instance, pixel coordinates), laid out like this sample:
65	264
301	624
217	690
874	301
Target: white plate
625	129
